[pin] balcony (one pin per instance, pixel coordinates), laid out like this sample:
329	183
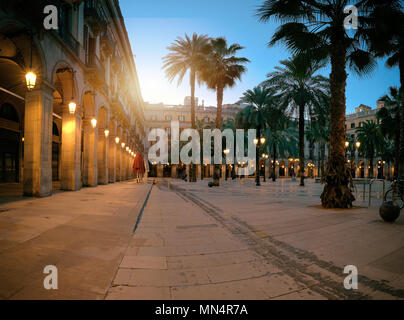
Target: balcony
108	43
95	69
94	16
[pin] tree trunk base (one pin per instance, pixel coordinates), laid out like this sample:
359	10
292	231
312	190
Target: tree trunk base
337	191
216	175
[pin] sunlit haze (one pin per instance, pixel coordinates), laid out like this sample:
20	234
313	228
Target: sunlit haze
153	25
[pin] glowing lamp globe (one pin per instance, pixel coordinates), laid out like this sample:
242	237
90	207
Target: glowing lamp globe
30	79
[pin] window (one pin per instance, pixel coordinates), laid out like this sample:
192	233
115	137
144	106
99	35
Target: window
168	118
181	118
168	131
206	119
153	118
353	125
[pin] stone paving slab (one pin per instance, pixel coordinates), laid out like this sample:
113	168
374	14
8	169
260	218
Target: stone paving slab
83	233
244	242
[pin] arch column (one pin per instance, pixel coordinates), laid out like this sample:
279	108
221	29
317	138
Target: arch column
71	151
118	156
173	170
37	178
90	174
102	160
112	154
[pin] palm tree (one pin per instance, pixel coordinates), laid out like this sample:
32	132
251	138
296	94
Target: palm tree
221	70
389	118
282	142
230	123
187	55
255	115
300	90
384	34
316	28
371	139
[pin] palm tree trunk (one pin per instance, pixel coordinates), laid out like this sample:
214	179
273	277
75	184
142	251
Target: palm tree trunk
219	97
322	159
371	166
274	165
401	156
337	192
257	157
192	175
397	146
301	143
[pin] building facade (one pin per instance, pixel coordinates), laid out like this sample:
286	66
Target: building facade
71	110
160	116
361	166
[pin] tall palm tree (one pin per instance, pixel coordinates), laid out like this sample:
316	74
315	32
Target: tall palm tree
221	70
371	139
316	28
384	34
389	118
282	142
300	90
230	123
187	55
255	115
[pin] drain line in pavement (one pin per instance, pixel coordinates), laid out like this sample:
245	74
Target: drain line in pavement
139	218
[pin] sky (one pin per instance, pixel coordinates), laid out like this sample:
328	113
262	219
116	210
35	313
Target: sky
153	25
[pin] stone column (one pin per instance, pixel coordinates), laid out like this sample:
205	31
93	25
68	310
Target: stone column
112	159
71	151
124	169
37	177
198	171
90	174
173	170
102	162
159	171
118	156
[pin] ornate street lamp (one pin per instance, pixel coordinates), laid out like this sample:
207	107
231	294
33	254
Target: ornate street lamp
226	152
30	79
72	107
93	122
106	132
257	159
116	140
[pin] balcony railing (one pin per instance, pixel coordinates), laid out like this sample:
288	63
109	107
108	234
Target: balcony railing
94	15
96	67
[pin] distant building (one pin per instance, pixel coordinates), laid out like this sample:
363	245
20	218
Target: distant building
161	115
187	101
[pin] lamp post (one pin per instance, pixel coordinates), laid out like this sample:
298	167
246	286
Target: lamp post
226	152
257	143
346	149
265	157
357	145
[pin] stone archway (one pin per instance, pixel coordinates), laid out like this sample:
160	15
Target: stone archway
69	120
20	54
89	138
103	146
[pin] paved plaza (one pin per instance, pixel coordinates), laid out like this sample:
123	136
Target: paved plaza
180	240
